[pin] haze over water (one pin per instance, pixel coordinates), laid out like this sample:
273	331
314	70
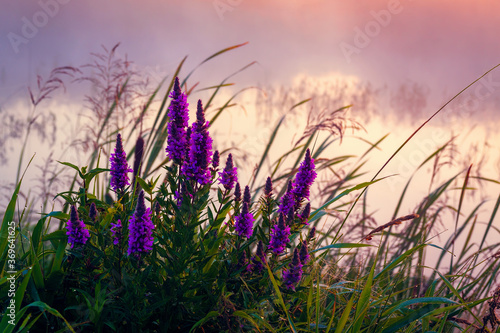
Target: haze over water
397	62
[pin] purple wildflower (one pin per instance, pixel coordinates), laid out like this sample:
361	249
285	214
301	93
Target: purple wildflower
237	192
258	265
140	228
229	175
93	212
304	179
119	167
244	222
215	160
304	254
279	236
287	200
246	195
312	234
200	151
293	274
116	229
139	150
77	233
268	190
179	117
305	213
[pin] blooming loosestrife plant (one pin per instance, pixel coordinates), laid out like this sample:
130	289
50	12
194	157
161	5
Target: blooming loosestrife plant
280	234
200	150
177	141
237	192
293	274
77	232
203	250
119	167
288	200
244	222
140	228
229	176
304	179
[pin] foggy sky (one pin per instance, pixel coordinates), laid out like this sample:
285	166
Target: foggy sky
441	44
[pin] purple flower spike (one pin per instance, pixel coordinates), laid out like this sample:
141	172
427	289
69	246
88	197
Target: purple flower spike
215	160
77	233
140	228
229	175
237	192
258	266
304	179
312	234
179	116
304	254
305	213
287	200
116	229
293	274
279	236
200	150
268	190
93	212
244	222
246	195
119	167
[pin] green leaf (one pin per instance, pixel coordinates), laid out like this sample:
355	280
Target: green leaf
148	189
341	246
364	301
200	322
420	300
345	315
73	167
280	298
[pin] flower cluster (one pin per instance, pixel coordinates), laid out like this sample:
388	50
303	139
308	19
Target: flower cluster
244	222
305	213
93	212
287	200
268	189
229	176
246	195
237	192
119	167
293	273
140	228
77	233
279	236
197	166
179	116
304	179
304	254
215	160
